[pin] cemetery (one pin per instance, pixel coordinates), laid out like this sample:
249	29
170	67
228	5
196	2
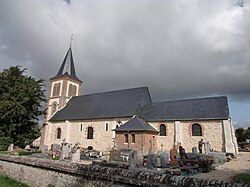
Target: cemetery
129	167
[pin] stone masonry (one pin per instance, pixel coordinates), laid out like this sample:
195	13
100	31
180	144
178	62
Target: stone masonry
42	172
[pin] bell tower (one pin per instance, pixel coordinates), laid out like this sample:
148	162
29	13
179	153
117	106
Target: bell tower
63	86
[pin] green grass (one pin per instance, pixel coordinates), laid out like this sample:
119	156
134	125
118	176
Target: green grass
4	152
56	158
25	153
8	182
243	177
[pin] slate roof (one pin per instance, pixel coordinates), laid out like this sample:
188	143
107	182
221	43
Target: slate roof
200	108
67	68
121	103
135	124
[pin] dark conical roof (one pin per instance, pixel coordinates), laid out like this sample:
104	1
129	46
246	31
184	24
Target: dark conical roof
68	67
136	124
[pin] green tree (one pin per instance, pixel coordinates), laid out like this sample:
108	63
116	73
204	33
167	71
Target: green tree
247	134
239	133
21	97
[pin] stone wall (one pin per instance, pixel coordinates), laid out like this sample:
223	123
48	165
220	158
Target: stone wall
167	141
76	131
212	131
42	173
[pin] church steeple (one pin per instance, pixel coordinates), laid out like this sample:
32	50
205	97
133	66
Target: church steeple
68	67
64	85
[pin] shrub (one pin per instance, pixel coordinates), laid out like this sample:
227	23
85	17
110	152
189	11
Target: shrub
4	142
25	153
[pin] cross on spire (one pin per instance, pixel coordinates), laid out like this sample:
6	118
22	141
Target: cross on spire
71	40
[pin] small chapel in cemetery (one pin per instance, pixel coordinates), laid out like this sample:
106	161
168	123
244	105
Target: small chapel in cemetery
129	119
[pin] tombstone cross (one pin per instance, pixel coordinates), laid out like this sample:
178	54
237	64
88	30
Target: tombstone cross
64	141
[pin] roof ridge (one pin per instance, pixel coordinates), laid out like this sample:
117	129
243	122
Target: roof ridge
112	91
190	99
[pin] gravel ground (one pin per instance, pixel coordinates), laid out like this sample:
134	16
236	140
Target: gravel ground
227	171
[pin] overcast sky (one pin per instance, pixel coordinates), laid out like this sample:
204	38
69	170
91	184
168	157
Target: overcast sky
178	48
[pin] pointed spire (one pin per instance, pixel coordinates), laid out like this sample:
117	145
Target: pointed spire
71	40
68	66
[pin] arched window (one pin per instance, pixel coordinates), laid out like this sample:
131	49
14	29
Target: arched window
58	133
90	133
56	89
163	130
72	90
196	130
54	107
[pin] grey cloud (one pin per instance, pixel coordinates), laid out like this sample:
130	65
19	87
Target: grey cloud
179	49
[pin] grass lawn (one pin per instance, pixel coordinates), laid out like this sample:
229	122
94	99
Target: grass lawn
243	177
8	182
4	152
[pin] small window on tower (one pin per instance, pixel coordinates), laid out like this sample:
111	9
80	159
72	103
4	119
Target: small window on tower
107	126
81	127
126	138
56	89
72	90
54	107
133	138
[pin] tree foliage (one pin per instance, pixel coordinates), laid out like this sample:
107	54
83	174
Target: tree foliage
247	133
239	133
21	97
242	134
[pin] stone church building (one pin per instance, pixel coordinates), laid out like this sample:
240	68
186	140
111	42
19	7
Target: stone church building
129	119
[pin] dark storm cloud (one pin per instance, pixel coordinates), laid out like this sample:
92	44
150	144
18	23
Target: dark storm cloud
179	48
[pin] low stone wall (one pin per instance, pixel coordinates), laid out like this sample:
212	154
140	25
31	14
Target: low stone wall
44	173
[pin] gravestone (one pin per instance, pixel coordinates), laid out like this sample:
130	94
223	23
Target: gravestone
66	152
207	147
159	152
76	155
114	155
164	159
158	158
194	150
135	159
152	159
158	161
75	147
27	148
44	148
55	147
173	156
11	147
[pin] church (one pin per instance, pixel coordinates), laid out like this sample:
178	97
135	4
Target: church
128	119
